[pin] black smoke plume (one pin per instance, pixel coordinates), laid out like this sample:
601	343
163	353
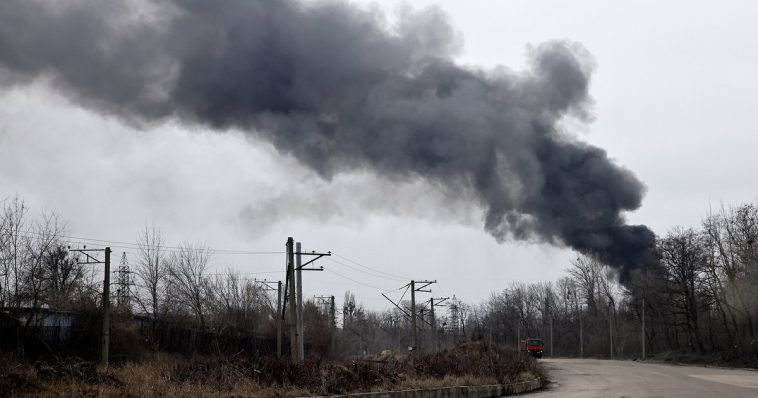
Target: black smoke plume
339	87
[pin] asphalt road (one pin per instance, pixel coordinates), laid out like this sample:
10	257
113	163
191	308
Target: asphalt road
602	378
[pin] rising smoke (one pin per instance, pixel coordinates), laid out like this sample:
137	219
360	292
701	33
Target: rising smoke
340	88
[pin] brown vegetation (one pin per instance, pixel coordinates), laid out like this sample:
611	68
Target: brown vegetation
474	363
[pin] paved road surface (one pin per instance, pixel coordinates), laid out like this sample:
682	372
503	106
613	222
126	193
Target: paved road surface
601	378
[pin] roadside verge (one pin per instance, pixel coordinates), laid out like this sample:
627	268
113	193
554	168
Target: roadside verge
488	391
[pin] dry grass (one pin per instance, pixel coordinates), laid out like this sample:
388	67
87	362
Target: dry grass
447	381
172	376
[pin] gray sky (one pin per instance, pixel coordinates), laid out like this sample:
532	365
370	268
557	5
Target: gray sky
673	91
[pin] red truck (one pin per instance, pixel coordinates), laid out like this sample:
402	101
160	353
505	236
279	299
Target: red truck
533	347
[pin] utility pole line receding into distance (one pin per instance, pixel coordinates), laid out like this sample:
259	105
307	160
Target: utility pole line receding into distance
329	301
277	318
414	289
439	302
412	314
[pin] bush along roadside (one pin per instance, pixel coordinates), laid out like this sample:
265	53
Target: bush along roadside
470	363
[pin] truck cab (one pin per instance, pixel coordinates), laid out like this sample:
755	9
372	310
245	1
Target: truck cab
533	347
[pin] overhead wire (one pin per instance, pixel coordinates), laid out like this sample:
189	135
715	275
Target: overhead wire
130	245
376	275
398	277
356	281
357	266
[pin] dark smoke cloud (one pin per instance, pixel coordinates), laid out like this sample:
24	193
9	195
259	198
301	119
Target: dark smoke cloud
340	88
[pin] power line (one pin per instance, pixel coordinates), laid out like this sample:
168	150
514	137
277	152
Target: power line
365	272
353	280
130	245
232	273
398	277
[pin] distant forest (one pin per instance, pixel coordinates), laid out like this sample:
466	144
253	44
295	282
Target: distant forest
700	297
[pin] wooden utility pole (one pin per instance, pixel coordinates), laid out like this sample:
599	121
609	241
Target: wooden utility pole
105	333
292	299
299	276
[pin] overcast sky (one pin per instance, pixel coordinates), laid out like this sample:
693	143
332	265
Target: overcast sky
675	91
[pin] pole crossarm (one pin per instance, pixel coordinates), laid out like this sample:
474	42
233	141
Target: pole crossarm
90	258
267	285
423	285
313	253
439	300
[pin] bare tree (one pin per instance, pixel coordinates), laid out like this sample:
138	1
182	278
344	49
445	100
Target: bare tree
585	271
188	271
684	255
63	278
151	271
733	271
45	239
14	226
239	303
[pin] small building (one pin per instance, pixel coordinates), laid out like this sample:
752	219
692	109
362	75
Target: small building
54	327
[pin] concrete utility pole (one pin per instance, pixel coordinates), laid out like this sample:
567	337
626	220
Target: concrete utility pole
414	337
518	336
333	317
643	327
293	282
610	325
279	335
415	288
581	334
326	305
439	302
551	335
291	298
299	275
106	301
422	333
413	285
434	325
105	333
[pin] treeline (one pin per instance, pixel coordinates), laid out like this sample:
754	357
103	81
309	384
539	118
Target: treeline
700	296
167	289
